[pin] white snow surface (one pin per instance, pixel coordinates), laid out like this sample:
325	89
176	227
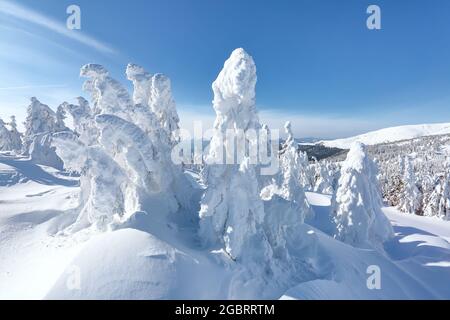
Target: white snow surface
391	134
149	257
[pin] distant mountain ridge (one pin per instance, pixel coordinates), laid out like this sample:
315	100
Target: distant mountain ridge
390	134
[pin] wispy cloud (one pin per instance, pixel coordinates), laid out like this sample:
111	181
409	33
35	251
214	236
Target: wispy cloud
32	16
26	87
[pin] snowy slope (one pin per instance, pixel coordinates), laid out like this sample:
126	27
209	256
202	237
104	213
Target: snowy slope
416	265
391	134
151	258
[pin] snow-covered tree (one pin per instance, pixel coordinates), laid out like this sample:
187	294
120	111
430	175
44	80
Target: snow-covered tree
40	119
444	203
123	139
286	209
83	121
60	117
292	169
438	204
163	105
232	212
325	176
142	82
16	136
102	183
40	124
5	137
357	202
107	94
10	139
410	198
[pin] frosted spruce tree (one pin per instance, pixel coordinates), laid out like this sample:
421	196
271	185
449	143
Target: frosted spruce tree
163	105
357	203
444	203
60	118
261	230
40	124
410	197
438	204
102	182
16	136
121	151
292	169
232	212
108	96
324	181
286	210
10	139
5	137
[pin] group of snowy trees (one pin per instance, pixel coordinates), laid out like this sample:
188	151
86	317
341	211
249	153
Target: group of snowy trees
121	146
40	124
414	175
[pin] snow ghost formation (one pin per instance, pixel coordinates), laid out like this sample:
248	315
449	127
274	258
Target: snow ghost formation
438	204
10	140
40	124
121	148
410	197
260	229
325	177
231	211
357	202
292	169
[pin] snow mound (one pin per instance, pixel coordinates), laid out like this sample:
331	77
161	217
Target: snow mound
391	134
132	264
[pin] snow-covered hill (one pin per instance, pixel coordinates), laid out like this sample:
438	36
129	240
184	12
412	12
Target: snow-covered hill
391	134
144	260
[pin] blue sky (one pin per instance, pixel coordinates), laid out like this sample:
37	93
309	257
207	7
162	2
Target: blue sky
318	65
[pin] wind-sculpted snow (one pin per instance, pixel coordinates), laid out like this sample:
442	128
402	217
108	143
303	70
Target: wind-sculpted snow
108	95
118	135
357	202
40	124
325	178
80	112
223	219
102	182
234	93
410	196
128	137
162	104
259	229
10	139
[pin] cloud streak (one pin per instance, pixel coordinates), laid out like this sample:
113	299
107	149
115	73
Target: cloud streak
34	17
33	87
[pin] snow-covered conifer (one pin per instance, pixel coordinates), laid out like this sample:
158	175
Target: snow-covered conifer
107	94
16	136
232	212
60	117
357	202
324	181
40	124
5	137
163	105
410	198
